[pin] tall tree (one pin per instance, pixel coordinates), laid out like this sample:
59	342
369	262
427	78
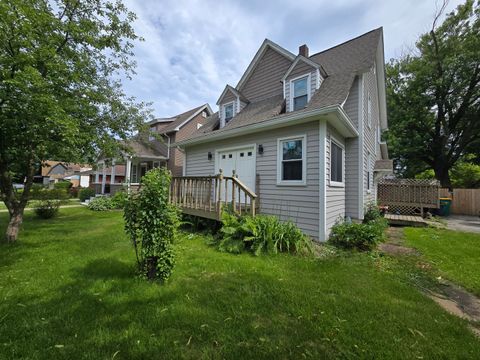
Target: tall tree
434	96
60	97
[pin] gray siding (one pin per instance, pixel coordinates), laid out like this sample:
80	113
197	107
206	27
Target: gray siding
265	80
335	201
300	69
297	203
369	133
352	147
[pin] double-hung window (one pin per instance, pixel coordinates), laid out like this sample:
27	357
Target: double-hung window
228	112
336	164
299	90
291	167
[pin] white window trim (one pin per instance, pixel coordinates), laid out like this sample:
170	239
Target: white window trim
224	107
340	145
309	90
302	182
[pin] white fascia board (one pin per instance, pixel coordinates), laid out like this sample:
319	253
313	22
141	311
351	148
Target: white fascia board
300	58
206	106
381	86
334	114
266	44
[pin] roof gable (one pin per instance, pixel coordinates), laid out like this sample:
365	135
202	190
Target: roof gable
231	90
267	44
184	118
306	61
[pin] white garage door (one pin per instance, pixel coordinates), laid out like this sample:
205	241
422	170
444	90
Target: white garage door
243	162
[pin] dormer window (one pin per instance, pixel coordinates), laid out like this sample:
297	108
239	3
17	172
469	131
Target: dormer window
228	112
299	93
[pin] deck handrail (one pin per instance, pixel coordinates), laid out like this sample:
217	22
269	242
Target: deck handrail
206	196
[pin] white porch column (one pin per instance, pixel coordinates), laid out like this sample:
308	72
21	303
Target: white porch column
104	177
97	175
128	169
112	175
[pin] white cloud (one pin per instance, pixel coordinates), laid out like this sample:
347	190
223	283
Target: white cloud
193	48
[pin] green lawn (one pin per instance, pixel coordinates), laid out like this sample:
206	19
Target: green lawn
68	291
455	254
31	203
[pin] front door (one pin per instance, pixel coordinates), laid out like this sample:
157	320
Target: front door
243	162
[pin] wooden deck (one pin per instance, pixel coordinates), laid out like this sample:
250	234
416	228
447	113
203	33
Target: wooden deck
406	220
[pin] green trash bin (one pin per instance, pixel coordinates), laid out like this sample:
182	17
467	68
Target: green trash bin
445	204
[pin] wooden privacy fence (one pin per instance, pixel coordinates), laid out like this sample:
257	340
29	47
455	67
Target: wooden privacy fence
206	196
408	196
464	201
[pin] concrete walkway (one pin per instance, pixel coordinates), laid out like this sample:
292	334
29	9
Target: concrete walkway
61	207
463	223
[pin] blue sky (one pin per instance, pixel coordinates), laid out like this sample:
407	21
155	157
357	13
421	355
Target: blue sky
193	48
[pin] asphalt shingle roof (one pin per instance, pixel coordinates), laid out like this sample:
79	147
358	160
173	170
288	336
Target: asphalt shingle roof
342	63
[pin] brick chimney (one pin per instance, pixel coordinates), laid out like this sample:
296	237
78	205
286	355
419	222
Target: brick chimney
303	50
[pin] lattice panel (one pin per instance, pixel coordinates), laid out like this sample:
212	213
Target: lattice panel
411	193
404	210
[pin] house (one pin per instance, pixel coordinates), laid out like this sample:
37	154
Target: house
302	131
54	171
147	151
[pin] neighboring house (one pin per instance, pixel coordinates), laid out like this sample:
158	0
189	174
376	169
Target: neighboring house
147	151
302	131
53	171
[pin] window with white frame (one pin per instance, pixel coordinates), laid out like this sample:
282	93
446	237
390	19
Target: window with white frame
369	110
199	125
134	174
299	89
336	163
291	165
228	112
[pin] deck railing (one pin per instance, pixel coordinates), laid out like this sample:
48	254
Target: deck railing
207	196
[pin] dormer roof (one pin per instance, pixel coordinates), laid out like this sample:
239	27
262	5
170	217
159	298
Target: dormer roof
306	61
234	91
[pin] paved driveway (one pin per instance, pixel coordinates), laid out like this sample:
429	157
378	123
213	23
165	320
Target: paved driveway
464	223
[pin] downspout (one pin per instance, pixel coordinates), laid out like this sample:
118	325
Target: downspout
168	147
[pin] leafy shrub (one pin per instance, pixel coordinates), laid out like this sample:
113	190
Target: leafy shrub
198	223
85	193
47	209
101	203
261	234
372	212
63	185
152	222
42	193
365	236
73	192
119	199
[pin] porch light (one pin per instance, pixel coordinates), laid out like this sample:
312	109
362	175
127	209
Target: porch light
209	155
260	149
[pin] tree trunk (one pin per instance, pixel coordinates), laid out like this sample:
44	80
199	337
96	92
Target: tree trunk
13	227
442	174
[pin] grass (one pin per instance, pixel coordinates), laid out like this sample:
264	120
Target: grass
456	255
31	203
69	291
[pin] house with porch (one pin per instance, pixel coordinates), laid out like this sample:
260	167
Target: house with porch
299	137
147	151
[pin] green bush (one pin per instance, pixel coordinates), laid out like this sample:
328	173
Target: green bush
63	185
119	199
85	193
42	193
47	209
365	236
371	213
101	203
262	234
152	222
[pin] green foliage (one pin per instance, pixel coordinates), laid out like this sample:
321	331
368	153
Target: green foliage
101	203
85	193
42	193
151	223
62	185
465	174
61	95
371	213
119	199
47	209
365	236
433	97
262	234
